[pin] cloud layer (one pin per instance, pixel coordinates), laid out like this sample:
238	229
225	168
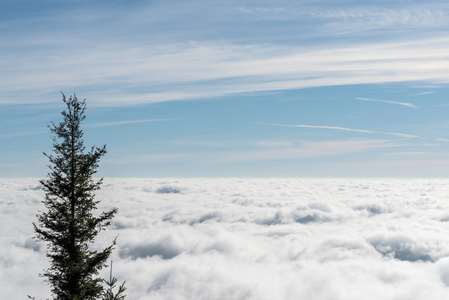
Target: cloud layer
205	70
252	238
124	56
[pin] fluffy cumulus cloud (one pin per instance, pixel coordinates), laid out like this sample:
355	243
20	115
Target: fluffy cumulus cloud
252	238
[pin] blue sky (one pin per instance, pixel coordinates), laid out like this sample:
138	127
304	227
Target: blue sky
231	88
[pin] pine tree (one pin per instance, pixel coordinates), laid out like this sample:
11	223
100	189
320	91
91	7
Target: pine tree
111	283
69	225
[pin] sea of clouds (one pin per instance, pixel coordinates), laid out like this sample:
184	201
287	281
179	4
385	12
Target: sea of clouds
207	239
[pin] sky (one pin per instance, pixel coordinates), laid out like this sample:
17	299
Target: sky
230	88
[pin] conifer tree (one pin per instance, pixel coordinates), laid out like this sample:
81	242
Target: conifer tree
108	294
69	225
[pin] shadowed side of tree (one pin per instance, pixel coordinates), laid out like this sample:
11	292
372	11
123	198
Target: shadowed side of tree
69	225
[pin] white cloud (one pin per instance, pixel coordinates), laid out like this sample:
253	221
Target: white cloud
124	56
263	151
347	129
355	19
377	18
423	94
306	150
409	153
252	238
389	102
139	73
11	135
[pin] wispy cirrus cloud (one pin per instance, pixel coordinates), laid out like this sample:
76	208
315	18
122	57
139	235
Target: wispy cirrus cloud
17	134
347	129
265	152
422	94
367	17
306	150
128	70
409	153
388	102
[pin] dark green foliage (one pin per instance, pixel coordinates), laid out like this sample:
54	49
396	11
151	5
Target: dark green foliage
109	293
69	226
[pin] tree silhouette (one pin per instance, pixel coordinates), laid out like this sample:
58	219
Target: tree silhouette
69	225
